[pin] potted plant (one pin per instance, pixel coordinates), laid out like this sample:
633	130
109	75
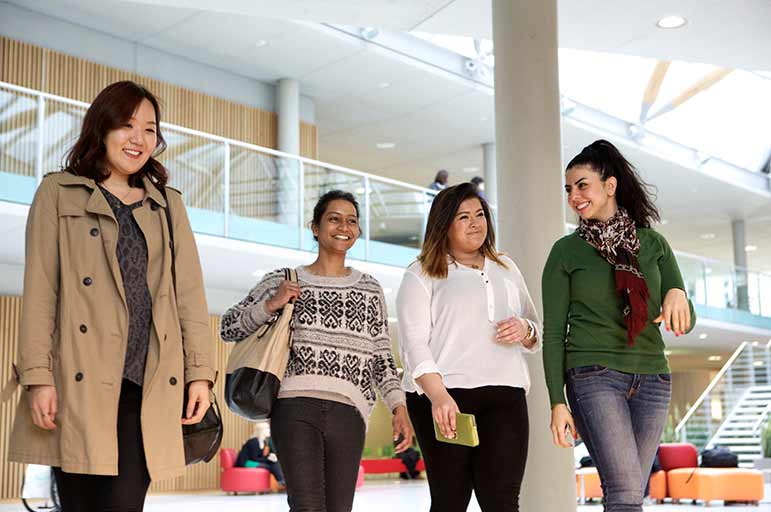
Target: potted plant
764	463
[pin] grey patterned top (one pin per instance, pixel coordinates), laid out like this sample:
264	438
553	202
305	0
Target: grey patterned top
341	343
132	257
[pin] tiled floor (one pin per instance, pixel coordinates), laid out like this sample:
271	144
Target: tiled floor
378	496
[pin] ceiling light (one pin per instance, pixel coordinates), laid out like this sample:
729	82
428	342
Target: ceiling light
369	32
392	319
671	22
261	43
750	248
715	358
635	131
385	145
707	236
387	290
703	336
359	191
470	169
664	222
384	85
755	343
667	352
758	363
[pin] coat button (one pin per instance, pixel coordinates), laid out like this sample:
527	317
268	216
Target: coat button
173	381
83	328
94	232
153	207
78	376
87	281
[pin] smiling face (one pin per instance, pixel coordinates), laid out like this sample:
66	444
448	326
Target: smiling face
339	227
468	230
131	145
589	196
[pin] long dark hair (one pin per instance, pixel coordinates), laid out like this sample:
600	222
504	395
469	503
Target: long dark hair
632	193
436	245
111	109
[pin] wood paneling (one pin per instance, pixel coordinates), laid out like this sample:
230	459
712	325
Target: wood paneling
197	477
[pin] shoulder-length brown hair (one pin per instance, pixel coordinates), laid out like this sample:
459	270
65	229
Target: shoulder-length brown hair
111	109
436	246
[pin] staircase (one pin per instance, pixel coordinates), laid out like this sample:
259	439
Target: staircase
735	407
742	428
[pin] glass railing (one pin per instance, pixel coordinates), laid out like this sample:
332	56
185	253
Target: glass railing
722	286
231	188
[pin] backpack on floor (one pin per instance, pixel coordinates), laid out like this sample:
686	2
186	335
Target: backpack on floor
719	457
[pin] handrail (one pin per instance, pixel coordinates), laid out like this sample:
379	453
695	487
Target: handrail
710	387
763	416
232	142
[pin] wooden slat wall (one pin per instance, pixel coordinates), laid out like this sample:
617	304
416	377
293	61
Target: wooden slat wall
198	477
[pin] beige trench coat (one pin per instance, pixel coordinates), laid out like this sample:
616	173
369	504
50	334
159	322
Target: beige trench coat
74	335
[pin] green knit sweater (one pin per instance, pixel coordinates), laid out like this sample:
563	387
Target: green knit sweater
582	320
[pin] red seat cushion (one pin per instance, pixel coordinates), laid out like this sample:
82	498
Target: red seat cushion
227	458
678	455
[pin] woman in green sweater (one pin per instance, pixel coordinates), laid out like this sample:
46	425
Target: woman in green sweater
606	289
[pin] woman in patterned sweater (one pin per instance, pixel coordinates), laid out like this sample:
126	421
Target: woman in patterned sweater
341	353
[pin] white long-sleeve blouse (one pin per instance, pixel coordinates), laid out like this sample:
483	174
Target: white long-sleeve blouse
448	326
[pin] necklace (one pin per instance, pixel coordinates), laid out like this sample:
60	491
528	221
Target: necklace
472	264
121	197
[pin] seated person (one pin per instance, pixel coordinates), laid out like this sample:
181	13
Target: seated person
258	452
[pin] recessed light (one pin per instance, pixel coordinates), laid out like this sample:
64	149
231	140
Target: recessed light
635	131
392	319
750	248
758	363
715	358
664	222
671	22
385	145
707	236
384	85
703	336
388	290
667	352
755	343
470	169
359	191
261	43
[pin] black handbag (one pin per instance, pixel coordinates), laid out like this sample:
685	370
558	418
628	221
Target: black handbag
203	439
719	457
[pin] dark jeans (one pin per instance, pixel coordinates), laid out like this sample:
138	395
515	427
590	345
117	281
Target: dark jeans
319	444
494	469
620	417
125	492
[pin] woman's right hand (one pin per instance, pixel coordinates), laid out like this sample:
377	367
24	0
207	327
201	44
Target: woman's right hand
444	409
287	291
43	406
561	420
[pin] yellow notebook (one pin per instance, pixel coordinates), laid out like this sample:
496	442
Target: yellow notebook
465	428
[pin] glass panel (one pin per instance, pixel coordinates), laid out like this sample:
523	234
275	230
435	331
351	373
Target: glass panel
318	181
764	294
195	166
18	145
396	223
721	292
61	129
692	270
263	198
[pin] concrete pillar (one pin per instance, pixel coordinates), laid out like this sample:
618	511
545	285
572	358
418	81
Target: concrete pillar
288	111
532	217
739	231
490	175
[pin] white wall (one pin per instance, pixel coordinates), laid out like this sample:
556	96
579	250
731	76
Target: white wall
59	35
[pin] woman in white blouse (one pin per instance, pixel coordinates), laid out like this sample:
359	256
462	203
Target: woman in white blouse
465	321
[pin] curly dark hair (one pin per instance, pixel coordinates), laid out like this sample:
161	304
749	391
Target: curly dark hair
632	193
111	109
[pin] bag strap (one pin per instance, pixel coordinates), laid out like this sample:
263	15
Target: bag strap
167	211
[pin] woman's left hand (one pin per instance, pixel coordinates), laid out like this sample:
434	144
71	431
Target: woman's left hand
402	429
675	312
512	330
197	402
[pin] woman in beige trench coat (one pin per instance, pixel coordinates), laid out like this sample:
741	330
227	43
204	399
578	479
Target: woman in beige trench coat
107	346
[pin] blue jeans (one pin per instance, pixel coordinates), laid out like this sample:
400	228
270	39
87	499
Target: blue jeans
620	416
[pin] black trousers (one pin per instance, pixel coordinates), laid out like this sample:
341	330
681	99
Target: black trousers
494	469
319	445
125	492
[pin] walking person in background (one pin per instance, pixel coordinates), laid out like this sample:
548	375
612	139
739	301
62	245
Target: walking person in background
479	183
606	288
341	354
440	180
466	320
108	347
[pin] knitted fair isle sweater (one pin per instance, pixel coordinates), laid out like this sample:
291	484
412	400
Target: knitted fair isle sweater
341	347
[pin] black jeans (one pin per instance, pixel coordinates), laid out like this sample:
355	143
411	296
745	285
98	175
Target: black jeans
319	445
494	469
125	492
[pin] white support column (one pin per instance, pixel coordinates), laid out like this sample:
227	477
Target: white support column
288	110
491	174
530	177
739	231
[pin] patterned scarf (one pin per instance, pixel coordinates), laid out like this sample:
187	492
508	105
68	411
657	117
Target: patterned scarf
617	242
